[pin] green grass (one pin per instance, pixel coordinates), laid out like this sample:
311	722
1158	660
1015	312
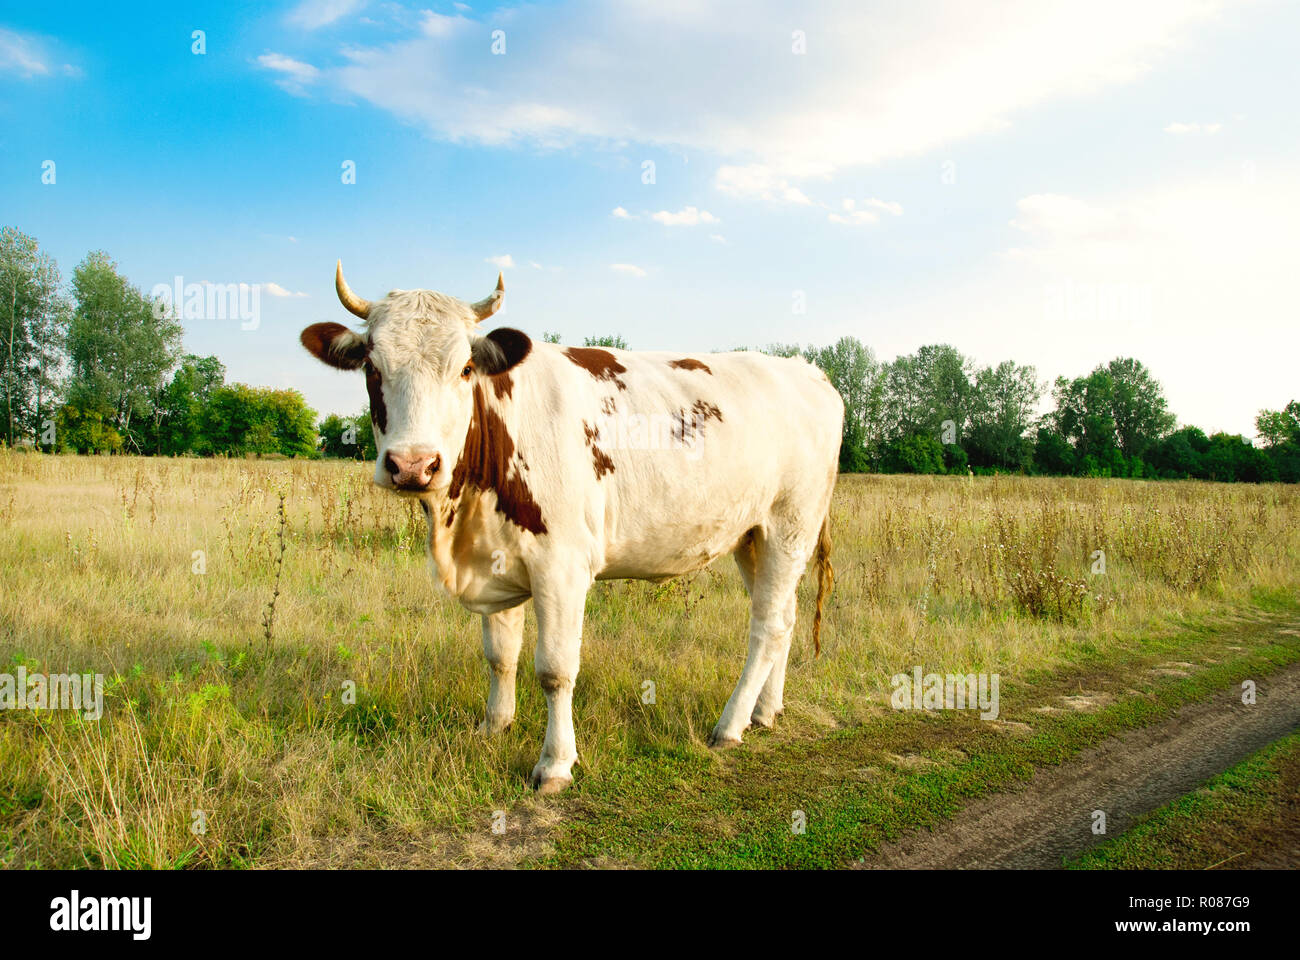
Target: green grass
680	809
1237	816
98	574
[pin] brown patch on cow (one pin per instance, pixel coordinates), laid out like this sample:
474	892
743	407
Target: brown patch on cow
690	363
706	411
451	516
502	385
375	387
599	363
485	463
687	425
608	406
600	460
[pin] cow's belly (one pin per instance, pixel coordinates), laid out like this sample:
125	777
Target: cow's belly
671	550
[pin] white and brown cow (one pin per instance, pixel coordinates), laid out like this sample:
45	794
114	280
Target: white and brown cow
544	468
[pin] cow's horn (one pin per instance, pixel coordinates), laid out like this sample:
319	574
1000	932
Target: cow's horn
492	303
349	299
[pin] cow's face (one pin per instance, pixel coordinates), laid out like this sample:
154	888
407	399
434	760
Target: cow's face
422	357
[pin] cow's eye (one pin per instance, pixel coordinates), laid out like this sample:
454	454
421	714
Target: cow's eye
469	368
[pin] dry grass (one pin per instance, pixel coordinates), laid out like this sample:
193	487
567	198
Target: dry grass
225	697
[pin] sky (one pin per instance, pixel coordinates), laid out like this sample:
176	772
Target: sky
1054	183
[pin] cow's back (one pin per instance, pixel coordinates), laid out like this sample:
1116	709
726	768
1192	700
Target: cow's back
657	463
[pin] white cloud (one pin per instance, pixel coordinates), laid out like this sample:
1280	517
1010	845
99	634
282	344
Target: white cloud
686	217
275	290
855	216
889	206
597	72
717	238
1208	129
504	261
758	182
294	75
314	14
619	213
22	55
628	269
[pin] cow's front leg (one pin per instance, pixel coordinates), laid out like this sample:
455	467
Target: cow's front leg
559	609
503	635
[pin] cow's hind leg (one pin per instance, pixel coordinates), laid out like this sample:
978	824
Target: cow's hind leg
770	702
776	570
771	699
503	635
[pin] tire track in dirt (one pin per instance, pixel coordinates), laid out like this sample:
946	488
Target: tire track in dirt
1050	817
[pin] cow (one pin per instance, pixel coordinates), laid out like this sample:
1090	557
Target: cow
543	468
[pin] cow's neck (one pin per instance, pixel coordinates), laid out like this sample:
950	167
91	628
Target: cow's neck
490	461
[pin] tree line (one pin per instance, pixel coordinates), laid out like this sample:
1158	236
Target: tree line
98	367
936	411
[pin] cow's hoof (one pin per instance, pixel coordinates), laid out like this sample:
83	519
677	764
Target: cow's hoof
553	785
489	728
767	722
547	784
719	742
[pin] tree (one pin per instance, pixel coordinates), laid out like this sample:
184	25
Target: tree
239	419
1231	457
1181	454
1053	454
1083	416
613	340
1113	417
119	345
178	407
1280	431
1138	406
366	434
33	323
924	391
1002	411
853	371
85	431
1277	427
916	453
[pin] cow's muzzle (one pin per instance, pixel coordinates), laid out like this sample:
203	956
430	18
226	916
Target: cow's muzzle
412	470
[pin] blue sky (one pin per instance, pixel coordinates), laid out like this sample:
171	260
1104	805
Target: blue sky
1054	183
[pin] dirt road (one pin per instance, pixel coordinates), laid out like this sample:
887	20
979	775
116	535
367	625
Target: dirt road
1051	816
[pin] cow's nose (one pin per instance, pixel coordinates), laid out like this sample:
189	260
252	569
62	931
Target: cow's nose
412	471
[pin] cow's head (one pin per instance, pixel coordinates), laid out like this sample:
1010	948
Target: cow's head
422	354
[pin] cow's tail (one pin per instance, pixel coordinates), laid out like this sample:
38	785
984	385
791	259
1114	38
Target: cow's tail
825	581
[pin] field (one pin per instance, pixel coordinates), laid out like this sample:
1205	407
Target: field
231	604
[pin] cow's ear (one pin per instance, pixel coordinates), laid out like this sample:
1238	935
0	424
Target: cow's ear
335	344
500	350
